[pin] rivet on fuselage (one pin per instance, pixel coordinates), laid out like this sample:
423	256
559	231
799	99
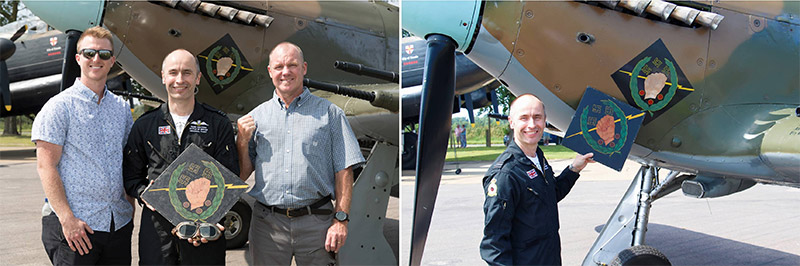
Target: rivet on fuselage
583	37
676	142
174	33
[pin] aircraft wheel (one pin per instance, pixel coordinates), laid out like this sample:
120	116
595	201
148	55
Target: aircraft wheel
640	255
237	225
409	150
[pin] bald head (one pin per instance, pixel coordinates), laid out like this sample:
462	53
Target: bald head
526	99
180	54
285	47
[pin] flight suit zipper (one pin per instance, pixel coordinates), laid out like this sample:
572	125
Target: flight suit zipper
543	175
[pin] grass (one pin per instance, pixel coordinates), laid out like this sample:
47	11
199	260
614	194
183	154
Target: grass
551	152
16	141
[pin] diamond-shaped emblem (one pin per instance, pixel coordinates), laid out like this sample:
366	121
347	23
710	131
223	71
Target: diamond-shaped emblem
605	126
652	81
223	64
195	187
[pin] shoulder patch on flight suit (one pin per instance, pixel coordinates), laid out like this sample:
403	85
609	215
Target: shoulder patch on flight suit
492	190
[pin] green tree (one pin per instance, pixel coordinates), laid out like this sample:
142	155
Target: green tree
9	11
504	99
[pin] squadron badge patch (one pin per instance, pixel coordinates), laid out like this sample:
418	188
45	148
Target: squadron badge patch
652	81
492	190
223	64
605	126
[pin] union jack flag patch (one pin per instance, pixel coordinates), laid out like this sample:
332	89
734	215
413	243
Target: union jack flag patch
532	173
165	130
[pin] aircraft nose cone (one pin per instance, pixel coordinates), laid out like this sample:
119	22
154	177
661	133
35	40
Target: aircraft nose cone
460	21
68	15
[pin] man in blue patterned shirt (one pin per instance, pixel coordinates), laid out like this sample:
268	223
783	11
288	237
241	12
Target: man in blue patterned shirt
79	136
303	151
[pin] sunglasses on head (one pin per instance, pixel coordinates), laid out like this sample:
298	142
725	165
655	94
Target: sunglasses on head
187	230
89	53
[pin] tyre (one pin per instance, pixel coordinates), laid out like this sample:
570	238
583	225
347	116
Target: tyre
640	255
409	150
237	224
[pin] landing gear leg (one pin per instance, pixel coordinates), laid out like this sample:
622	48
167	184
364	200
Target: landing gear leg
623	236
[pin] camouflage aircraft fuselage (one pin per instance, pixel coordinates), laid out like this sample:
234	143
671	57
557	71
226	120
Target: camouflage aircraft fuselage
234	53
732	112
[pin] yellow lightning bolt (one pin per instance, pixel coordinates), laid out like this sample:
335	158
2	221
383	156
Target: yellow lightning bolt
227	186
680	87
215	60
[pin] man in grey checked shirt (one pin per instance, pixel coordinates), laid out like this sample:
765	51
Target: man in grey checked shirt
79	137
303	151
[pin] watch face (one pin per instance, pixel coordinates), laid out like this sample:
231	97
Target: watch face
341	216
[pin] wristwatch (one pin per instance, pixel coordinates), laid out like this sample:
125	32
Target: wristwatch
571	168
341	216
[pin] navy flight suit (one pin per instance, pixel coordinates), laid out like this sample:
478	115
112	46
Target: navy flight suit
521	224
152	146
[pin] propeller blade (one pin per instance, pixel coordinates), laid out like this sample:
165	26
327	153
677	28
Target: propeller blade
469	106
4	86
7	49
70	70
438	92
19	33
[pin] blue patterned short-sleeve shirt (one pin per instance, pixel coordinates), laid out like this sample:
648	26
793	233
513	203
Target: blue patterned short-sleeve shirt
297	151
92	136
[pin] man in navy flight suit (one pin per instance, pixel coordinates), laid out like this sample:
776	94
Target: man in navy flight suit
521	224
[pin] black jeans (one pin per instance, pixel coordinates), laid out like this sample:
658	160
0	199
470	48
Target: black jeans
157	245
108	248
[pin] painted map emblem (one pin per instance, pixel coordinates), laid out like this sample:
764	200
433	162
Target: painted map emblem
223	64
195	187
652	81
605	126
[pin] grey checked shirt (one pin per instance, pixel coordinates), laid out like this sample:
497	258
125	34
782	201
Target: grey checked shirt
92	137
297	151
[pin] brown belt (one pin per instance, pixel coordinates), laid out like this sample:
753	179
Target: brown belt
310	209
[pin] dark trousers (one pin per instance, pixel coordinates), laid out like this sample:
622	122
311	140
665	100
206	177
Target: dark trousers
108	248
157	245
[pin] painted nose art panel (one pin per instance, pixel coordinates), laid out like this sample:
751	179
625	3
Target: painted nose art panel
605	126
652	81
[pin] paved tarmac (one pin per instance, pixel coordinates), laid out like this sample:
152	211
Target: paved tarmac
21	199
758	226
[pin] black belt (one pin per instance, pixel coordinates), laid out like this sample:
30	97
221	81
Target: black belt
310	209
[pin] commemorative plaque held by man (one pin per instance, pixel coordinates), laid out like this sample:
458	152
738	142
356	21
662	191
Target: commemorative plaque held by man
195	187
